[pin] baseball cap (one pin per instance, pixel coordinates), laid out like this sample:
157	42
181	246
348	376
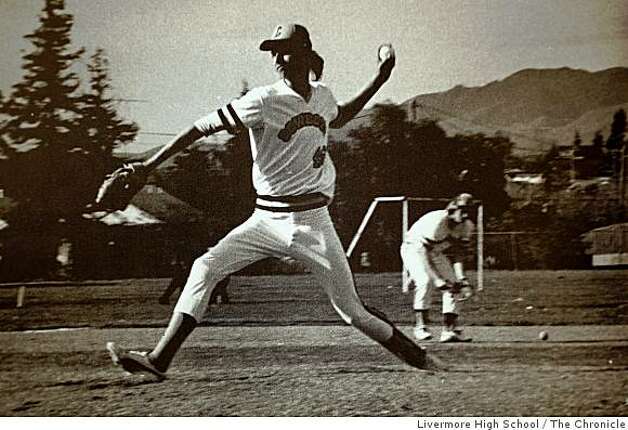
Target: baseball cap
288	37
461	201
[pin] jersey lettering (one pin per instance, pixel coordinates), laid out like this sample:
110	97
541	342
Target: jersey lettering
305	119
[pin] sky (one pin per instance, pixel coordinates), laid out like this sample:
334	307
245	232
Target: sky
181	59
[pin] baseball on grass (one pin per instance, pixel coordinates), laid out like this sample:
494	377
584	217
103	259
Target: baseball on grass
385	51
543	335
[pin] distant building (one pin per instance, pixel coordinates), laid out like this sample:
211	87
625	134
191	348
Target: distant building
165	207
135	242
140	240
519	176
565	150
608	245
131	216
522	185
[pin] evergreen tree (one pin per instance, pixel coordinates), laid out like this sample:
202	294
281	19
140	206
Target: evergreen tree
615	142
42	122
104	130
598	140
42	107
6	151
618	131
47	168
555	169
484	158
597	152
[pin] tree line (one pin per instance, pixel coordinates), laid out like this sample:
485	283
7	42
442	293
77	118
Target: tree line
57	136
582	190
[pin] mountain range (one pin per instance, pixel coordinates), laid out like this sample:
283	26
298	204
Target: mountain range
535	108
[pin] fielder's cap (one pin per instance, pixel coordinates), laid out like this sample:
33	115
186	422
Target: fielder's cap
288	38
463	200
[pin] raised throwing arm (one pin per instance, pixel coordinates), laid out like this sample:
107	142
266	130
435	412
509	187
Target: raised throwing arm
348	110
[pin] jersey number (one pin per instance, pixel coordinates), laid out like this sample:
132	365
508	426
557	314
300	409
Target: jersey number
319	157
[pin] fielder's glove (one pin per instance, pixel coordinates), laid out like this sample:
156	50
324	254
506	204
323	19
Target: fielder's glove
445	285
464	290
119	187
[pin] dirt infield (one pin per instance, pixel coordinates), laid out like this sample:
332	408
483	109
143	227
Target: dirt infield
279	350
320	371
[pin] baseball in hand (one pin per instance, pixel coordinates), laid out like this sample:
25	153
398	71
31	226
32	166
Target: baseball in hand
385	51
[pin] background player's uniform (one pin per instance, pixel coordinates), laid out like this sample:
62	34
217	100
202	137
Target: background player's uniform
422	253
294	179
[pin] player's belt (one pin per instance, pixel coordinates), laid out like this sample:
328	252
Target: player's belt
304	202
430	242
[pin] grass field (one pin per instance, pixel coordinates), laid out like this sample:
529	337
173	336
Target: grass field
278	349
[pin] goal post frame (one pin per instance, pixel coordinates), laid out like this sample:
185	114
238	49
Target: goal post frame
404	200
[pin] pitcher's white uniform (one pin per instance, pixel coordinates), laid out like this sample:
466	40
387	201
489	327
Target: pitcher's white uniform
294	179
422	253
287	123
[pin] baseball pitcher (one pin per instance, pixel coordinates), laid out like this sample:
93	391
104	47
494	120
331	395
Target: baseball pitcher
288	124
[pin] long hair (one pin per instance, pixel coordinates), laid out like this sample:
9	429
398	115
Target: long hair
316	65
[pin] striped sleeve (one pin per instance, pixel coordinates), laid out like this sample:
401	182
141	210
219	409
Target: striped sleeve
235	117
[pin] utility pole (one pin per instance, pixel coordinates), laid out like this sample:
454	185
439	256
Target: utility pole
575	149
622	180
573	165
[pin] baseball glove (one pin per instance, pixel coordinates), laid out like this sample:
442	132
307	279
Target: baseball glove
464	290
120	186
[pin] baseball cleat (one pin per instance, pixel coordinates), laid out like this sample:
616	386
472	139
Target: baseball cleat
405	349
410	353
450	336
133	361
421	333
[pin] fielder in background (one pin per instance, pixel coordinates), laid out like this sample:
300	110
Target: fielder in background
288	123
422	253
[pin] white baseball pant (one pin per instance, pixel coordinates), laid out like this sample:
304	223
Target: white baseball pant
416	259
308	236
